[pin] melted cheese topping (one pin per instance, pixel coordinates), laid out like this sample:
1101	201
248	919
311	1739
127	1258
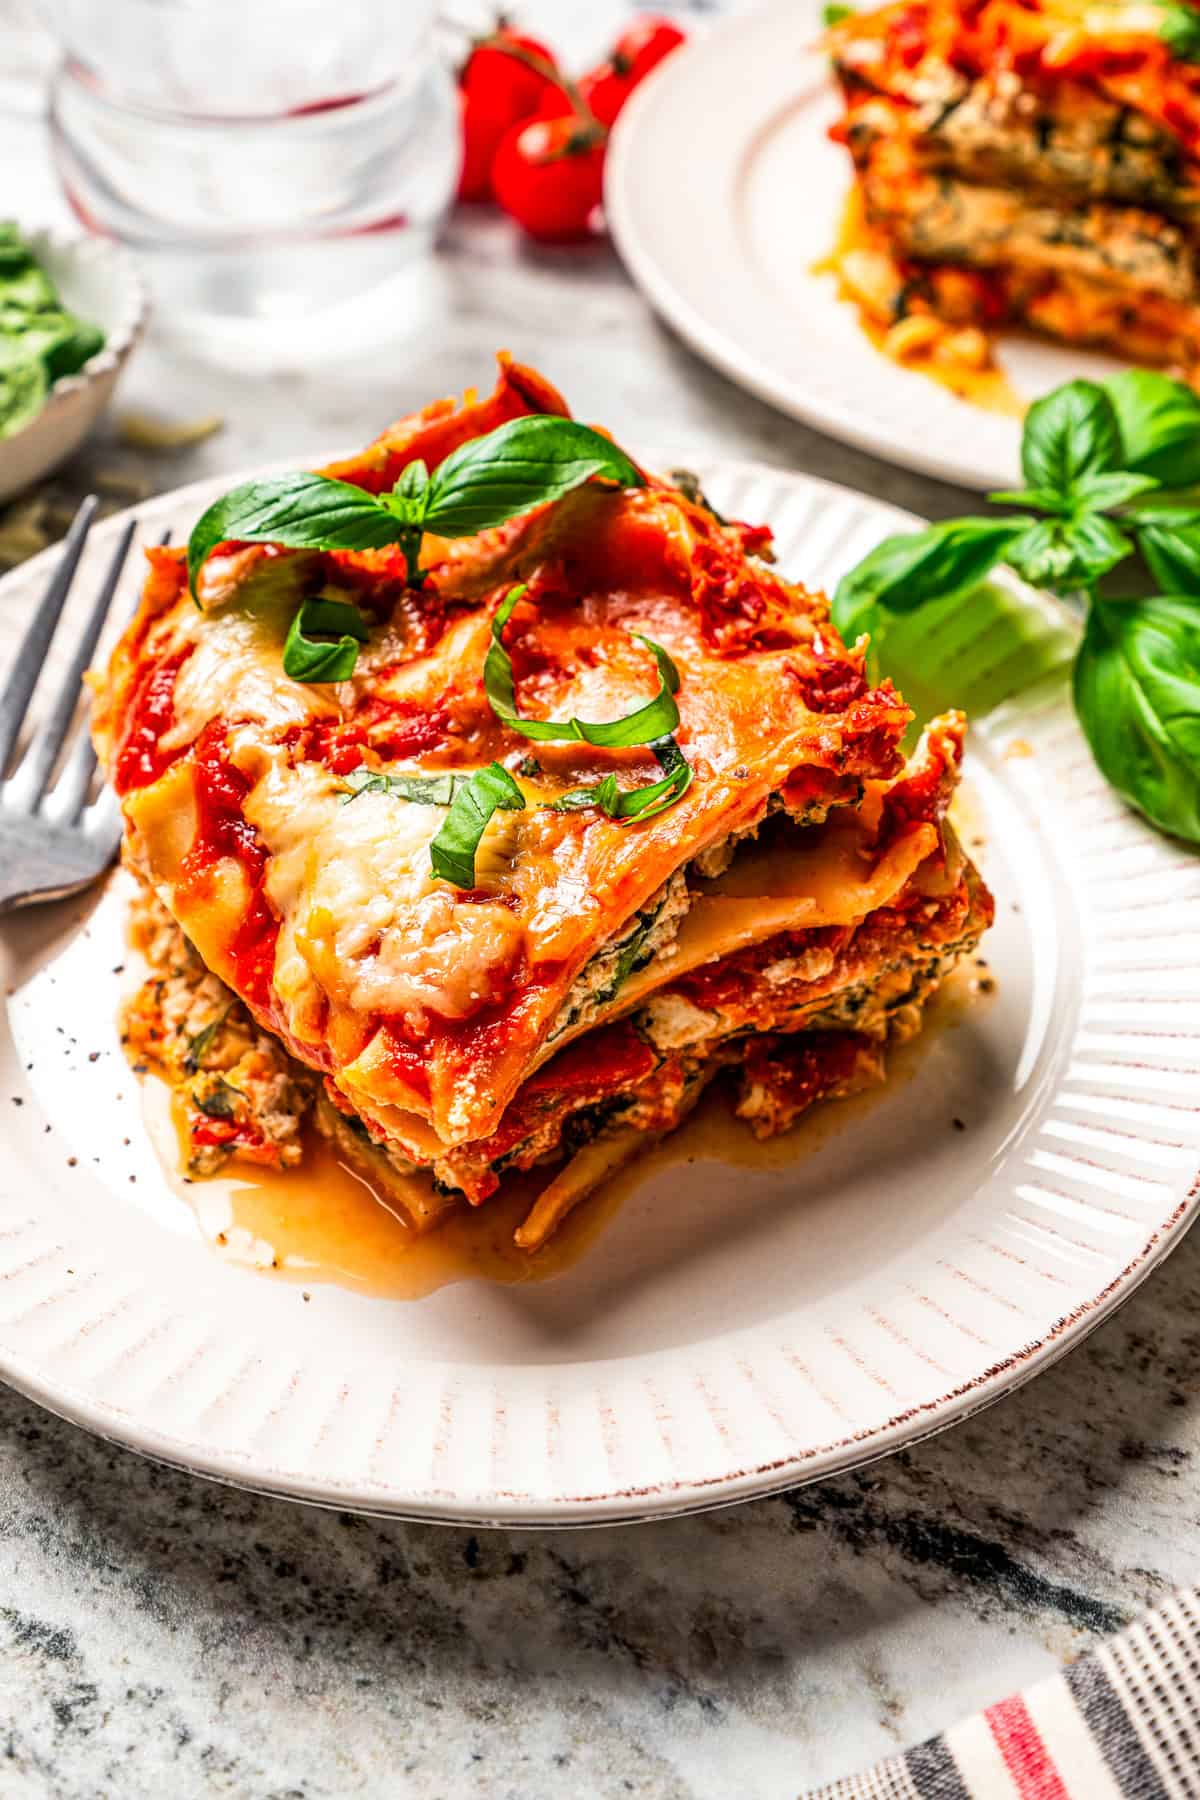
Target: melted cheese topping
365	923
236	671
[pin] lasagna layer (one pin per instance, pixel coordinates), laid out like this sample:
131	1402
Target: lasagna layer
791	1014
1035	164
425	1005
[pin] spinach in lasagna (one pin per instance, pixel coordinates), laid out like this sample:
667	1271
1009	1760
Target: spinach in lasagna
1033	163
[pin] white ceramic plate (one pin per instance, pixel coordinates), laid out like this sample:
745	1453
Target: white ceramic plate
734	1329
723	191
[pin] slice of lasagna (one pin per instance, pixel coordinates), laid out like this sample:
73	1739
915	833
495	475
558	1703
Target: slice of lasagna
1028	161
788	902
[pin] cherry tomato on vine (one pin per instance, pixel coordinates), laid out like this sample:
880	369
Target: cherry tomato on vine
498	87
549	176
637	51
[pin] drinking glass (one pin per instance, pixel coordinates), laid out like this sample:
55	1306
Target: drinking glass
268	159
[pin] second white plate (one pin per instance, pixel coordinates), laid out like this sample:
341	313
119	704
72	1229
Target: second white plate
724	192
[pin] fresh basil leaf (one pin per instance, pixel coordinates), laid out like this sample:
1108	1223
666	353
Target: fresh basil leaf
452	852
523	464
633	803
1137	693
1170	507
1179	30
855	614
307	658
658	718
1172	554
305	512
1069	433
1066	554
413	482
423	790
1159	419
1040	498
833	12
913	567
1111	487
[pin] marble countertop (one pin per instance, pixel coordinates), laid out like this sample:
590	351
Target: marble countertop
162	1635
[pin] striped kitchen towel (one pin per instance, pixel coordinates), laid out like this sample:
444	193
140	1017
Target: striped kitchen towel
1122	1723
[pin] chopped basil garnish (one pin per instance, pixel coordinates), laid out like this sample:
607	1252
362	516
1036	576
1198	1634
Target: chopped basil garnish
423	790
200	1045
472	799
657	719
220	1100
452	851
316	658
634	803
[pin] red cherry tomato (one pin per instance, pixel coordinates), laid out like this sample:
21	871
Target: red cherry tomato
496	90
605	92
644	45
549	175
637	51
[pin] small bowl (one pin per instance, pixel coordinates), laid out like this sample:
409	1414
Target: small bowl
101	283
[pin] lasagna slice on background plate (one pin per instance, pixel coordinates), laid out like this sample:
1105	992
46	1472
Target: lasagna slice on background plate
777	920
1032	163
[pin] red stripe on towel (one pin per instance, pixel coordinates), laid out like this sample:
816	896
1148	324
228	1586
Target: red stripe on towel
1025	1755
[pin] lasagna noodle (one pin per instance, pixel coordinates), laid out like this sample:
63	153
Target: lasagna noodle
835	881
832	944
427	1006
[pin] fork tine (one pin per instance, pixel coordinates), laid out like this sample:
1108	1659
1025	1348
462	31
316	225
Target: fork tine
36	642
103	819
64	803
34	772
66	799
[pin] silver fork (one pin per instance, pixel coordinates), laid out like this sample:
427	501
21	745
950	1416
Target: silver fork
54	840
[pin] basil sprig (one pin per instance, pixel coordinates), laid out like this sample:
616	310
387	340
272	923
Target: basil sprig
332	653
658	718
1137	691
521	465
1090	450
472	799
